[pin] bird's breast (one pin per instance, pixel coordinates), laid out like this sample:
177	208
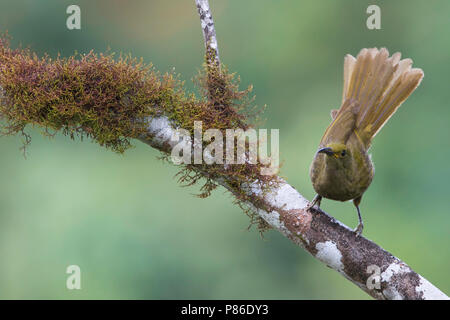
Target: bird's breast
338	181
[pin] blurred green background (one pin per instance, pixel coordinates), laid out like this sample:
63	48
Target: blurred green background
136	234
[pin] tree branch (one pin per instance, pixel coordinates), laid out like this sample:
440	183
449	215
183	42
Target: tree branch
324	237
209	32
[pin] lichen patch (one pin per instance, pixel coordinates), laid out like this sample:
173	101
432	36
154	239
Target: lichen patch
328	253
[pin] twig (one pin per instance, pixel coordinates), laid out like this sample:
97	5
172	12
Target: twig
209	32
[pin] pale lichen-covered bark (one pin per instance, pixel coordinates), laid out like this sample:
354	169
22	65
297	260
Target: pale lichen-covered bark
209	32
327	239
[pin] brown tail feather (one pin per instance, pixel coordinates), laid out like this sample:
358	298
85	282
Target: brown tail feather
379	84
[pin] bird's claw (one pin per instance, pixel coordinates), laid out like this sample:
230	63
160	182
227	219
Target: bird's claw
316	201
359	229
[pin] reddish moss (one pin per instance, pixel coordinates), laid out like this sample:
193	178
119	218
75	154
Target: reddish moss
93	96
105	99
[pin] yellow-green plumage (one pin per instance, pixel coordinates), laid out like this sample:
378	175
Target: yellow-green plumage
375	85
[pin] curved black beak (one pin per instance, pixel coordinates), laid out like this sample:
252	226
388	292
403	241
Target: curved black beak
327	151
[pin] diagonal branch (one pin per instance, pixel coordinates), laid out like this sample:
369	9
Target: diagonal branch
361	261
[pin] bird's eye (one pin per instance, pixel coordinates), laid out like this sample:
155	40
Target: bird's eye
343	153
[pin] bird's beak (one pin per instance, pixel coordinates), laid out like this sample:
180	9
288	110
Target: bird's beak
328	151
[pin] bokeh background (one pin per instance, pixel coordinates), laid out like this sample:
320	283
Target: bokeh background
136	234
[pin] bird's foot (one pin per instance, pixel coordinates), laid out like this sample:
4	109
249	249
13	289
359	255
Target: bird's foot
317	199
359	229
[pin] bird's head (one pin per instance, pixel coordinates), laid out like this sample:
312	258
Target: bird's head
335	150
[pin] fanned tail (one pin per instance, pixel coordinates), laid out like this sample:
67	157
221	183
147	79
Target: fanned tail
379	84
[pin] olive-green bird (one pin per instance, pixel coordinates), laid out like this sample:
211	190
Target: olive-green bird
375	85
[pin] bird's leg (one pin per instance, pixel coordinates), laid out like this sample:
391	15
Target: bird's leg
317	199
360	226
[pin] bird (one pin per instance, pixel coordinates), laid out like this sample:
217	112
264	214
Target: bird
375	85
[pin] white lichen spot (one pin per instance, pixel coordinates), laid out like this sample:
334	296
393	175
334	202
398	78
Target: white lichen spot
430	292
161	129
391	293
283	197
204	5
328	253
213	43
392	269
286	197
273	219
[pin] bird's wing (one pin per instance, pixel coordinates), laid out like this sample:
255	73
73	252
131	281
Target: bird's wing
343	124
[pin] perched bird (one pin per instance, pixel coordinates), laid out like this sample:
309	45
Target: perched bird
375	85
